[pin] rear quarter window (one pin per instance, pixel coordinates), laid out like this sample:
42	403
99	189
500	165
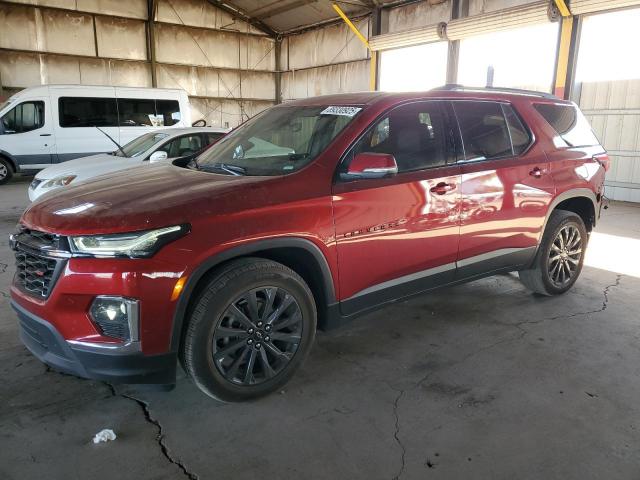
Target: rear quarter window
569	123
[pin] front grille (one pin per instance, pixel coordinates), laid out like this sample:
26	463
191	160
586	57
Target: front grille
37	265
35	273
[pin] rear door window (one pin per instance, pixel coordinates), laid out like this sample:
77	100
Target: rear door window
520	136
75	112
569	123
484	129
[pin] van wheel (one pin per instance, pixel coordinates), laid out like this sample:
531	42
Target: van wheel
250	329
560	256
6	171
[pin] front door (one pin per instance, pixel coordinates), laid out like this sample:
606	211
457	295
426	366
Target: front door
506	188
27	134
399	235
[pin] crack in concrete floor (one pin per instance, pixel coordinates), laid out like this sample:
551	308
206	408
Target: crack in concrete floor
160	437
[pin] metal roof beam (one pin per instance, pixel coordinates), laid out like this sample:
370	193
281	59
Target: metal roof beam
237	12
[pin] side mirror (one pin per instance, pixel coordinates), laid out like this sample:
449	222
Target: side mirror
158	156
372	165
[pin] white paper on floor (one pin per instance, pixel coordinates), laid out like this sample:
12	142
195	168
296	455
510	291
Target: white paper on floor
104	436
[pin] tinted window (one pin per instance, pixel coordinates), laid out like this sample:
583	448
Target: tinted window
136	113
484	130
87	112
570	124
213	137
520	137
414	134
24	117
168	112
183	146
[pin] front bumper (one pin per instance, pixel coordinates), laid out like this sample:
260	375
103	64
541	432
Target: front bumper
107	364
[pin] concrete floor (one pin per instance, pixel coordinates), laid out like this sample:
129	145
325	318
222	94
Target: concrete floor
483	380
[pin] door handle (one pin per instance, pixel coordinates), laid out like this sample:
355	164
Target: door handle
442	188
45	134
536	172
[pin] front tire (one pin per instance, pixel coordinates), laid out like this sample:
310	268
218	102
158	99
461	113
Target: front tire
560	256
6	171
251	328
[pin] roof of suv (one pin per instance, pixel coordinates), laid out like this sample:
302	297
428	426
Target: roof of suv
448	92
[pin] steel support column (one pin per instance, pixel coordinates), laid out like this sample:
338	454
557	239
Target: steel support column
374	57
567	52
151	40
278	72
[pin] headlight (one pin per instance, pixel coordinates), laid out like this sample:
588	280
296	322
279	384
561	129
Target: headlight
134	245
59	181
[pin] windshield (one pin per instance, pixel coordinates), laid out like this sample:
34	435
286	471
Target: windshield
141	144
279	141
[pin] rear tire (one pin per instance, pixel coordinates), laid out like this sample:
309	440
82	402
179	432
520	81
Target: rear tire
251	328
560	256
6	171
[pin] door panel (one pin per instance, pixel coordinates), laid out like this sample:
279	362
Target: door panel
391	230
33	143
504	200
395	235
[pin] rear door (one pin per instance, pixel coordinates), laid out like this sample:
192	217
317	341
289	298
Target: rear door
399	235
506	188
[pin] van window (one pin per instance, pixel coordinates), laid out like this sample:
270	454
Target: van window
136	113
570	124
168	112
484	130
87	112
24	117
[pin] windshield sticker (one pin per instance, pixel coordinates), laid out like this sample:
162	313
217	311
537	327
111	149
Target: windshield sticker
344	111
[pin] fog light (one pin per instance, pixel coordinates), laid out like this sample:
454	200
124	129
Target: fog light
116	317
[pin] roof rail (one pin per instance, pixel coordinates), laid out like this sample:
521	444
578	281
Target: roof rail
461	88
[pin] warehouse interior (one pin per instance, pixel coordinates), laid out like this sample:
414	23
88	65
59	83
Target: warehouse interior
481	380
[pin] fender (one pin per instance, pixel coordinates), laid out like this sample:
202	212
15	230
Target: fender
11	159
566	195
240	251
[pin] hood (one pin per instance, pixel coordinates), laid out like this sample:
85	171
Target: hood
150	196
87	167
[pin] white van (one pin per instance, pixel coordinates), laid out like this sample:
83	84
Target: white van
40	126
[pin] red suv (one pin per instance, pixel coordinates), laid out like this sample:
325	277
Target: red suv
308	215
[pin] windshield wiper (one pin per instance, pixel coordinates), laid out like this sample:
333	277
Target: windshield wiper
232	169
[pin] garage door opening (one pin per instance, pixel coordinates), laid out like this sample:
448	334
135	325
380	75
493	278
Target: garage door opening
608	91
520	58
412	69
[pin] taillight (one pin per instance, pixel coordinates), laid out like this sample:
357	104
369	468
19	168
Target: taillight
603	159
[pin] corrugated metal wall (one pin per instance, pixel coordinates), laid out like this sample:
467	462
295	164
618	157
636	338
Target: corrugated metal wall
613	109
324	61
225	65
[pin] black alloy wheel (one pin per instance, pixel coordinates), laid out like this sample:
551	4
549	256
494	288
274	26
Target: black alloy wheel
257	335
